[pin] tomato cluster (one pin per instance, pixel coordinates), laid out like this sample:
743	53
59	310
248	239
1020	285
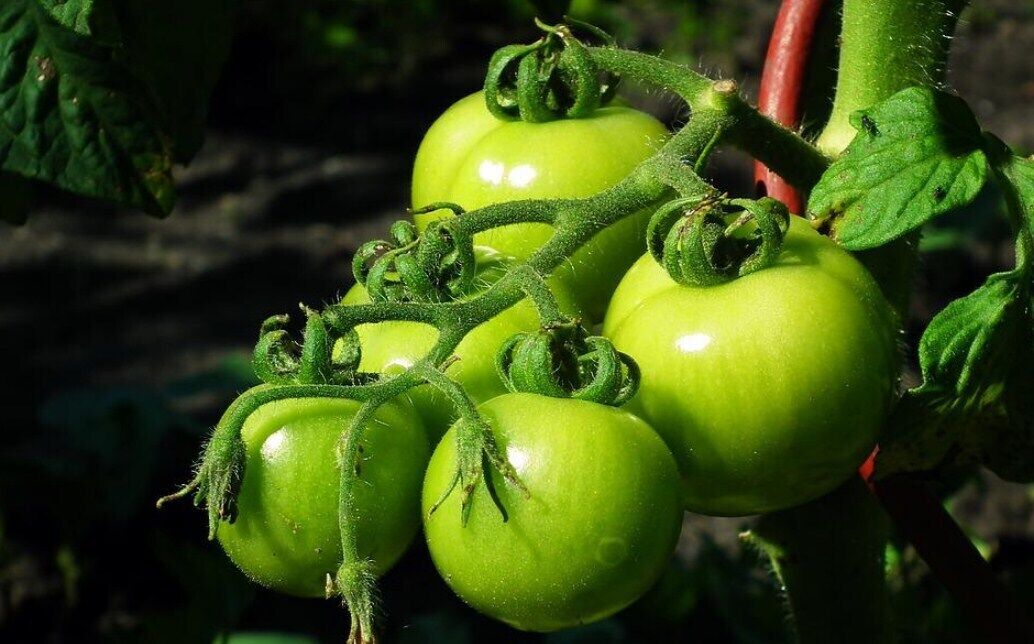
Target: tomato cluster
756	395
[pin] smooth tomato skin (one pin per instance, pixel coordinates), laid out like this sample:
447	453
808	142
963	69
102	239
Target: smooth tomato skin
601	521
471	158
286	535
770	389
392	347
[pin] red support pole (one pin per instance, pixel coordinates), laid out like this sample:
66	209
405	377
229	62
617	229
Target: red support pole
781	82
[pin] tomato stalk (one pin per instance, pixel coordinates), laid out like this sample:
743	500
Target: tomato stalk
828	555
886	46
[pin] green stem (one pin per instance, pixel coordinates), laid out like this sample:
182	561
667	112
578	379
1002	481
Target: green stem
781	149
844	531
355	579
535	287
886	46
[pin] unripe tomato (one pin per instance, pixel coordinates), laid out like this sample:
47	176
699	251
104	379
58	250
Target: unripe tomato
769	389
600	523
471	158
392	347
286	535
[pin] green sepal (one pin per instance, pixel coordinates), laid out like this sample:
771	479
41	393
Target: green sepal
697	245
563	361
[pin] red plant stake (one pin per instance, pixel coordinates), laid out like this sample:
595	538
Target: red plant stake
781	81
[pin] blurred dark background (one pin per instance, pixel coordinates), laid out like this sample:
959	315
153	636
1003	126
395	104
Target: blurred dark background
126	336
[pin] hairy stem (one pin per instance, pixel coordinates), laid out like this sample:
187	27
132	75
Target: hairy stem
743	126
886	46
355	578
844	531
535	287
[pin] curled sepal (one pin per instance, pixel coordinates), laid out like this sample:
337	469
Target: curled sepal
501	80
608	80
355	583
559	81
437	266
217	480
456	209
447	255
563	361
552	78
316	365
275	358
375	257
704	242
476	452
279	360
579	89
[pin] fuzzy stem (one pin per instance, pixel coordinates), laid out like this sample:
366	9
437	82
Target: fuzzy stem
537	290
780	148
355	580
886	46
844	531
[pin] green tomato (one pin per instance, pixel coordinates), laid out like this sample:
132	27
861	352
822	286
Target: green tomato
770	389
286	535
392	347
471	158
600	523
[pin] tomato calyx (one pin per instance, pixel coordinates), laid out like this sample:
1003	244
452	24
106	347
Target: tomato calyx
220	472
563	361
555	77
435	266
279	360
712	240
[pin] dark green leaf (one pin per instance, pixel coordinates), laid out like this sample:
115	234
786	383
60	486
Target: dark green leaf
177	49
975	404
917	155
70	114
968	344
15	198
